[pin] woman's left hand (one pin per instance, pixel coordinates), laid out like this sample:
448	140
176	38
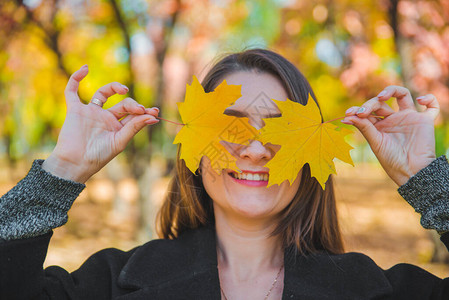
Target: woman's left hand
404	140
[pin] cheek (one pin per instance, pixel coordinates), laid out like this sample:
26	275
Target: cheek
213	183
289	191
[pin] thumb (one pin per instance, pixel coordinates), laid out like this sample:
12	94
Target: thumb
131	128
368	130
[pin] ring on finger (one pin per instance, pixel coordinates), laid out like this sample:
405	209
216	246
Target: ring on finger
97	101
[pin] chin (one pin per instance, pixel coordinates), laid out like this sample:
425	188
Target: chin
253	209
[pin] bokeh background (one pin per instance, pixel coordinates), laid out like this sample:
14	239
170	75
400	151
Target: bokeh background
348	49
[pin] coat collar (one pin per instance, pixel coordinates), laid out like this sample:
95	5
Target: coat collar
183	268
186	268
326	276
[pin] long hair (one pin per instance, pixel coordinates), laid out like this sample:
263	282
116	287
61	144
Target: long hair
309	223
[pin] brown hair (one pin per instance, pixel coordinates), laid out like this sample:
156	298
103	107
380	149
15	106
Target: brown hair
309	223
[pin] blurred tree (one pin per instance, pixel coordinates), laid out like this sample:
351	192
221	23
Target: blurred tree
367	45
420	30
349	50
64	39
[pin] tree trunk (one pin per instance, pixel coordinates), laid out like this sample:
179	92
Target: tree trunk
152	174
404	47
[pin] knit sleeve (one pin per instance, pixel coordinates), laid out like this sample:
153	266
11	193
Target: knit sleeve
37	204
428	193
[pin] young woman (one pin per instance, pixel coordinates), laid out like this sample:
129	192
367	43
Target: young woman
223	237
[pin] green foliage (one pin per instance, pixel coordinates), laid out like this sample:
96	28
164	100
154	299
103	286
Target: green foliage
259	25
441	139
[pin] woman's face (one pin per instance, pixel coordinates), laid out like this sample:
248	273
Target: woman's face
250	198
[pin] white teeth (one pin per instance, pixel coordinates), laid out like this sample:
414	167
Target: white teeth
250	176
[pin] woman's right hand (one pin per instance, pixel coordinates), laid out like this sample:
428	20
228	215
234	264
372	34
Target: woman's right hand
91	136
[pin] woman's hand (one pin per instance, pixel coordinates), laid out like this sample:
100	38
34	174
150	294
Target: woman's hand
404	140
91	136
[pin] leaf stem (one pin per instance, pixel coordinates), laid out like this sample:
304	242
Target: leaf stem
170	121
382	117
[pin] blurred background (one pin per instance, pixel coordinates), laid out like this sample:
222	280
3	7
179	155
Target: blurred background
348	49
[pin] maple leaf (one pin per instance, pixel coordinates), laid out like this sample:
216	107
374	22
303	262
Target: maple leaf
205	125
303	139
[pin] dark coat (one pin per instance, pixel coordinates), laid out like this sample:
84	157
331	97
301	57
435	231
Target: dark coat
186	268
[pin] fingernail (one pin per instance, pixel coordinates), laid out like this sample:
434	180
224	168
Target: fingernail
381	94
156	109
124	86
349	110
347	122
361	110
141	106
420	98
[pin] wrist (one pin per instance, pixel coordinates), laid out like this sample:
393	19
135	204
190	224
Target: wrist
402	176
66	169
415	169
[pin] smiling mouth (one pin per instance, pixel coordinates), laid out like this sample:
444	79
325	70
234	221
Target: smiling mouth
249	176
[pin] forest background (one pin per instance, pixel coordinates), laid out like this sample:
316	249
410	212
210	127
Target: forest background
348	49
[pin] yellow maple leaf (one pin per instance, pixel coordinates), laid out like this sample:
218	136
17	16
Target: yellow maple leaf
205	125
303	139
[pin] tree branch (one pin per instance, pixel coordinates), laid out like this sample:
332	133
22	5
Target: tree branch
51	35
161	53
127	39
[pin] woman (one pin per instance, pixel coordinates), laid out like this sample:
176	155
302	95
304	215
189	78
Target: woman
225	237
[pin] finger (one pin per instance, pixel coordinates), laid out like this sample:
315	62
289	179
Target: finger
129	130
370	118
71	90
373	119
374	106
431	104
368	107
401	94
110	89
352	111
127	106
154	111
384	110
128	118
367	128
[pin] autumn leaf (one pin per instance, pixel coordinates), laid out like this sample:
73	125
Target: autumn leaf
303	139
205	125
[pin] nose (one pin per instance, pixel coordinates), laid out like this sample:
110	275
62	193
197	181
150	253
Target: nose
255	151
256	122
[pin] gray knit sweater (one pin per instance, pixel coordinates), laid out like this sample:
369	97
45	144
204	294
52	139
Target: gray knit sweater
37	204
40	201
